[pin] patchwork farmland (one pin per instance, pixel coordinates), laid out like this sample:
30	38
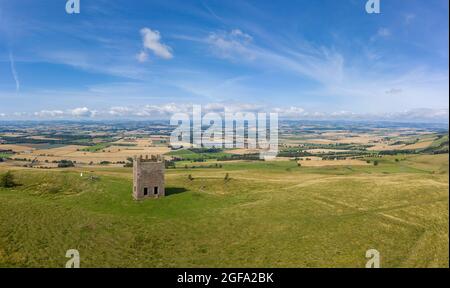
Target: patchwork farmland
319	204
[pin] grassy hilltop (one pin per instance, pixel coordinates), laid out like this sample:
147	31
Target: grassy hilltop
273	214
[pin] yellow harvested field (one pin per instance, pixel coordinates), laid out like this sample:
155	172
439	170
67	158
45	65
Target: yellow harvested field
160	138
43	138
98	134
75	153
311	158
384	147
60	151
335	134
320	151
349	140
280	159
359	140
243	151
419	145
322	163
319	141
16	148
140	142
12	134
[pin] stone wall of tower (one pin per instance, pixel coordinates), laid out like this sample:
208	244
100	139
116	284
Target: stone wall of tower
148	178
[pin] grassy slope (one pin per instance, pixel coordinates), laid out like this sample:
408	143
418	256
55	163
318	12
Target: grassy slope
269	214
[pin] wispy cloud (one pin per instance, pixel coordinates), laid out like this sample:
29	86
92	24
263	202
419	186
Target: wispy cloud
320	64
338	77
94	62
14	71
142	56
394	91
232	45
409	18
382	32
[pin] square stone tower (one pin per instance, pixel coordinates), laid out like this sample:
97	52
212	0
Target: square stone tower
148	177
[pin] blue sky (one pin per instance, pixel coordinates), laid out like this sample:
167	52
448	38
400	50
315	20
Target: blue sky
304	59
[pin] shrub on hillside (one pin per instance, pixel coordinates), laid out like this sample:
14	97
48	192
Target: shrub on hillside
7	180
65	164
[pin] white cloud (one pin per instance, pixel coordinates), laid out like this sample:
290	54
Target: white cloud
152	41
142	56
409	18
423	114
82	112
384	32
150	111
291	112
394	91
239	34
120	111
165	111
49	113
342	113
231	45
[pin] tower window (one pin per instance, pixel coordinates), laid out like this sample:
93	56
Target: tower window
145	191
155	190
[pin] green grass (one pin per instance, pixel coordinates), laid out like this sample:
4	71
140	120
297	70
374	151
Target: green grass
6	155
96	147
270	214
189	155
440	141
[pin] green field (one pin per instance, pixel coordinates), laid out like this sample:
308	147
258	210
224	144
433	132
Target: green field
6	155
96	147
269	214
189	155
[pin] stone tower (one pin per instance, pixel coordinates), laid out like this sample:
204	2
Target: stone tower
148	177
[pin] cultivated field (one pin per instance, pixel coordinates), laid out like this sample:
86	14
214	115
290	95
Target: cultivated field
82	154
322	163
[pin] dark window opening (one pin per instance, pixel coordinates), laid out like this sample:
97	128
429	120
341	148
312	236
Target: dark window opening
145	191
155	190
